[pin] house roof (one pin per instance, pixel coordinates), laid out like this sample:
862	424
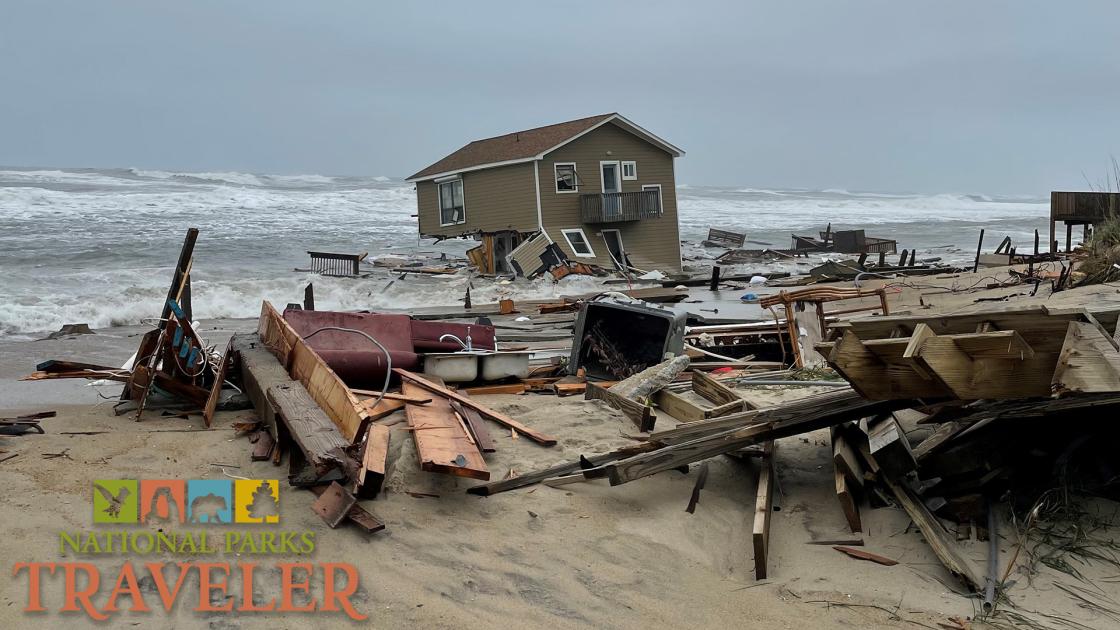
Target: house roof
529	145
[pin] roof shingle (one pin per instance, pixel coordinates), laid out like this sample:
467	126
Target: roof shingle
519	145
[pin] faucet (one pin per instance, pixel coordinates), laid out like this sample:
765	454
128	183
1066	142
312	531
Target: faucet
466	346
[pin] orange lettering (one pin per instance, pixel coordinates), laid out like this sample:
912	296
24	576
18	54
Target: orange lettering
287	586
247	604
167	597
34	583
128	574
343	596
205	585
73	595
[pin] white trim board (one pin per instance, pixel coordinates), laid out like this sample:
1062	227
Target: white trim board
439	200
660	197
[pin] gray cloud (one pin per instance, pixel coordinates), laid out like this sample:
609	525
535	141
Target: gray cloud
997	96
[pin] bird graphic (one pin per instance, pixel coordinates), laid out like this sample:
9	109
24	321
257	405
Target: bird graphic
115	502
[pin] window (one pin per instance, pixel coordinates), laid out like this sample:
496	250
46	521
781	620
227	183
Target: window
577	240
630	170
451	209
566	179
660	203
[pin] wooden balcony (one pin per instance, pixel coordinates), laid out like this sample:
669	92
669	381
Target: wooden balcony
616	207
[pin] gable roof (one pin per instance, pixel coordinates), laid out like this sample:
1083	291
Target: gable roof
529	145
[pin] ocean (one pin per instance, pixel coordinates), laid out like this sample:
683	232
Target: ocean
97	245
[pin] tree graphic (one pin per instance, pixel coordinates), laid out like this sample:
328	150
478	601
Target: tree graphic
264	502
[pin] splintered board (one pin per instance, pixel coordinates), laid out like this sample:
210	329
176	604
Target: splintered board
307	367
442	442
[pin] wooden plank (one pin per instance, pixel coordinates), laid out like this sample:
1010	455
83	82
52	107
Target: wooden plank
307	367
216	388
476	427
1088	362
942	434
876	379
973	378
483	390
308	425
500	418
943	546
1001	344
716	392
260	370
442	443
423	400
866	555
845	459
763	507
890	448
380	410
678	406
375	453
815	412
847	501
520	481
262	449
641	415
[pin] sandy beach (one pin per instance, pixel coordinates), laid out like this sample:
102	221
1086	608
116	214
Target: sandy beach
578	555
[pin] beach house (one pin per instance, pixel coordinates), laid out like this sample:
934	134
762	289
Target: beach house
598	190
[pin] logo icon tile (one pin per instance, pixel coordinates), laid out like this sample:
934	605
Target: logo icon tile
116	501
211	500
256	501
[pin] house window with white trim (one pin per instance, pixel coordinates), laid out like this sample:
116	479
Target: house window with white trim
566	179
577	240
660	201
451	207
629	170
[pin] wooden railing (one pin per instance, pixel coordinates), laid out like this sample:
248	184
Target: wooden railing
627	206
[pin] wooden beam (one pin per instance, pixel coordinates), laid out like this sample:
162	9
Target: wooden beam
317	437
442	443
716	392
847	501
375	454
814	412
1088	362
216	387
500	418
476	426
1001	344
995	377
943	546
641	415
260	370
307	367
678	406
528	479
763	507
423	400
876	378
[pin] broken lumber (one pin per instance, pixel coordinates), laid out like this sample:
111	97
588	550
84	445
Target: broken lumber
310	428
500	418
815	412
567	468
442	442
641	415
375	453
763	506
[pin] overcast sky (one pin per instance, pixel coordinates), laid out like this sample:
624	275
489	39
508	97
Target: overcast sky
894	95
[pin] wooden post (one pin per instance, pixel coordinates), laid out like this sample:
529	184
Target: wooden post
913	255
1069	237
979	244
309	297
1036	242
902	261
185	298
179	279
882	259
715	279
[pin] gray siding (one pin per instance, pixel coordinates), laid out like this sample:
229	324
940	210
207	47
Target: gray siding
495	199
650	243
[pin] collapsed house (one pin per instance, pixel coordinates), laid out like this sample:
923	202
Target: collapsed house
599	190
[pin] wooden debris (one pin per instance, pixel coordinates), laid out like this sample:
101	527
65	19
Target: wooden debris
310	428
500	418
442	443
641	415
375	452
701	479
763	506
476	427
356	514
219	382
866	555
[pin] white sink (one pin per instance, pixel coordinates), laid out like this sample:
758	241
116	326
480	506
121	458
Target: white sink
464	366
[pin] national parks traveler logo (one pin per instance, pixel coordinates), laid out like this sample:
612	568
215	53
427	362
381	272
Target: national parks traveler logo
178	501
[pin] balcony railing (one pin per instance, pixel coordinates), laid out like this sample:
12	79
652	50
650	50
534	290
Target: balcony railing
614	207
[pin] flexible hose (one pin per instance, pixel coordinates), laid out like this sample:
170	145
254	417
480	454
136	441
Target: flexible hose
388	357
